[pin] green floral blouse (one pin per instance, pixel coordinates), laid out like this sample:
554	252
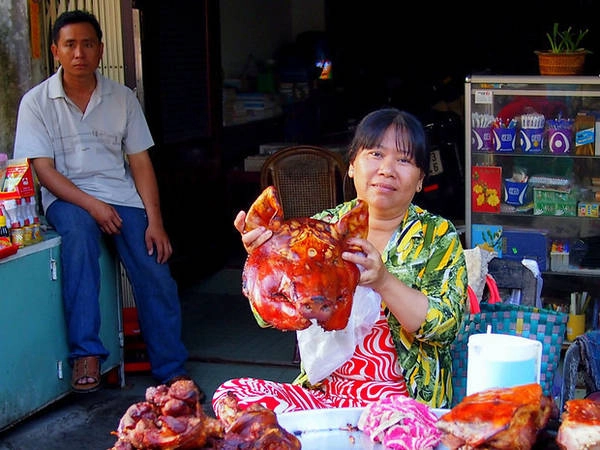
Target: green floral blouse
425	253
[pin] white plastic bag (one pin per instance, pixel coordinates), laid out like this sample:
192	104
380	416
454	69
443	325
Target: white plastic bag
324	351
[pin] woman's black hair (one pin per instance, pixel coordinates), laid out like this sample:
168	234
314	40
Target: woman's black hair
75	16
410	135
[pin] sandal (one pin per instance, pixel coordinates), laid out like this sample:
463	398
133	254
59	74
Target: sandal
84	369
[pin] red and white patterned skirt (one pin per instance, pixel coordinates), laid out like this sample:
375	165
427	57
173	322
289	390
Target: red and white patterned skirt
372	373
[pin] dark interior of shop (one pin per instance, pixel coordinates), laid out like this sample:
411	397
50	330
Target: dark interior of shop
385	54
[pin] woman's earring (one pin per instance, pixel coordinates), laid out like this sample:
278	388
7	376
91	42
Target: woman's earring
350	172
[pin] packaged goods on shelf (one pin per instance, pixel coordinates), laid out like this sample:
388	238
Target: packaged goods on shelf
588	209
584	134
559	256
18	181
486	189
17	198
487	237
554	202
519	244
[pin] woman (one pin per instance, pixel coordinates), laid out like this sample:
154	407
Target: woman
412	258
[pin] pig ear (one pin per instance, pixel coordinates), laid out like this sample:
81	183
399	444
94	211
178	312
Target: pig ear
266	211
355	223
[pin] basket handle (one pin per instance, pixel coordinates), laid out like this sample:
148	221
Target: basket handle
493	288
473	302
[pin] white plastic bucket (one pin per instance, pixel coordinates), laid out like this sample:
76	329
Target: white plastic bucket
502	360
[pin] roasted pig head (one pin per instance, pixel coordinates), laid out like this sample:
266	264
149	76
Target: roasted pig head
580	425
298	275
255	427
498	418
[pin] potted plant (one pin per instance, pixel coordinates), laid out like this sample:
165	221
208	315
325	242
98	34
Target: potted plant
565	56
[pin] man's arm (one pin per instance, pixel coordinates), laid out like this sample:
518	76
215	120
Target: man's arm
147	186
105	215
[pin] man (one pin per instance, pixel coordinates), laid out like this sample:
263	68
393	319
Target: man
88	142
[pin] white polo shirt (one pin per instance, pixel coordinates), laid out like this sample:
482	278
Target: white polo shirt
88	148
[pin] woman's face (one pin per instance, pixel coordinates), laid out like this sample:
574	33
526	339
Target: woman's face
385	178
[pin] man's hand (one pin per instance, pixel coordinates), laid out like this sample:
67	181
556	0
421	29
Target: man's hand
157	238
106	217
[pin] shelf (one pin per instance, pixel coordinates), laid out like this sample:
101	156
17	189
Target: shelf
520	154
575	271
523	234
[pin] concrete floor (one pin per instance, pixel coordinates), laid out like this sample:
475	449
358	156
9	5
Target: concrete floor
224	342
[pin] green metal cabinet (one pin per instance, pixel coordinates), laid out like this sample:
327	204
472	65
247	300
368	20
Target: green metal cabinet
34	370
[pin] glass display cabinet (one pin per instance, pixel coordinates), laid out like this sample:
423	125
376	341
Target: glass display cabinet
533	175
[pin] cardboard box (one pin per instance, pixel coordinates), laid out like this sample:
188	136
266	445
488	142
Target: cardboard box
487	237
486	188
554	202
588	209
526	244
254	163
19	181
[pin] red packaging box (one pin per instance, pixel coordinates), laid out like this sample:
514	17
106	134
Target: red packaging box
18	182
486	188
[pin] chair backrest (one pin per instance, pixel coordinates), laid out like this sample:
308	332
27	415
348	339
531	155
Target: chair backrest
308	179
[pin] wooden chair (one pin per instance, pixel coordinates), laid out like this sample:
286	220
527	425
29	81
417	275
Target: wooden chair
308	179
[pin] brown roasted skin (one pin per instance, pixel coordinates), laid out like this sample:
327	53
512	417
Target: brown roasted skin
170	418
256	427
580	425
173	419
299	275
501	418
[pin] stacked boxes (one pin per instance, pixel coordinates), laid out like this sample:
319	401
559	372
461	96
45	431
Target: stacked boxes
588	209
553	202
519	244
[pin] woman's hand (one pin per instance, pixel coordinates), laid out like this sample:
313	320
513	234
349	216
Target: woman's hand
408	305
367	257
254	238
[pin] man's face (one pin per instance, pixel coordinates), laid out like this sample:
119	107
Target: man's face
78	49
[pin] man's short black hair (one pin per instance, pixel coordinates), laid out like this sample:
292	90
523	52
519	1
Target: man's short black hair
75	16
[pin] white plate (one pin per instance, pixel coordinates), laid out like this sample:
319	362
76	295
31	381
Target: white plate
333	429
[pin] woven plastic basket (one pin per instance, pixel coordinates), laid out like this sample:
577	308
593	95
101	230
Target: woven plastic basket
544	325
561	63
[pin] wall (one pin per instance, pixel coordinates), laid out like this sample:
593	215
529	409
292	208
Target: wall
260	27
18	70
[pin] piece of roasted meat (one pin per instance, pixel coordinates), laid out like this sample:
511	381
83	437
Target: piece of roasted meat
499	418
299	275
580	425
255	427
170	418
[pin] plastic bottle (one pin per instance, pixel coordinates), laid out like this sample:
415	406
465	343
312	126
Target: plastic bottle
27	221
36	233
16	228
5	240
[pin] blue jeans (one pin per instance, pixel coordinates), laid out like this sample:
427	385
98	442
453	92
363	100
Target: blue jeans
154	289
